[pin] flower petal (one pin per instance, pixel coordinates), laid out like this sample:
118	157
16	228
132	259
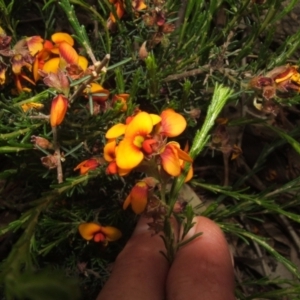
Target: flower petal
141	124
172	123
34	44
116	131
87	230
190	174
30	105
60	37
52	65
138	198
109	150
128	155
87	165
83	62
155	119
170	160
68	53
183	155
111	233
99	94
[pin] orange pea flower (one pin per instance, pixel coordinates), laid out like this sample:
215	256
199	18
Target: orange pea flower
63	46
98	93
98	233
137	198
130	150
172	157
58	111
87	165
119	7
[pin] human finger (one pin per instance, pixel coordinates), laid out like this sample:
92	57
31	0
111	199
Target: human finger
140	270
202	269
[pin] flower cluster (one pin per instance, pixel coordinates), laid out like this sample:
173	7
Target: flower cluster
143	138
142	143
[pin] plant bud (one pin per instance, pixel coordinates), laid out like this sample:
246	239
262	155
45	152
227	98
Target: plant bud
58	110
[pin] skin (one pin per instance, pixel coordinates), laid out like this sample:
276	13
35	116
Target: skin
202	269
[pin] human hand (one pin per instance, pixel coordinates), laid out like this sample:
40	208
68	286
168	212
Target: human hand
202	269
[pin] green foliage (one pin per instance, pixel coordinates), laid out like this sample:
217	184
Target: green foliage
196	62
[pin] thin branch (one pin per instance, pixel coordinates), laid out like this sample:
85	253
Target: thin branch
57	154
98	67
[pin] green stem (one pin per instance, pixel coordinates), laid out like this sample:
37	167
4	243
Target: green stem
220	97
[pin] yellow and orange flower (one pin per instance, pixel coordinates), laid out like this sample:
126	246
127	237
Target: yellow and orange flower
64	53
137	198
87	165
172	157
130	149
119	8
98	233
58	111
97	92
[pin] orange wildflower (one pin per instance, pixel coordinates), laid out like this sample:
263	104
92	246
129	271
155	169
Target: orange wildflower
67	55
130	149
172	157
98	93
119	8
87	165
99	233
58	111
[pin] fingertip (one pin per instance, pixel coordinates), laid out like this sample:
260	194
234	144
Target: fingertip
203	266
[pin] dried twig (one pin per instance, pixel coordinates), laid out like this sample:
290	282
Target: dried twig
57	155
98	67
